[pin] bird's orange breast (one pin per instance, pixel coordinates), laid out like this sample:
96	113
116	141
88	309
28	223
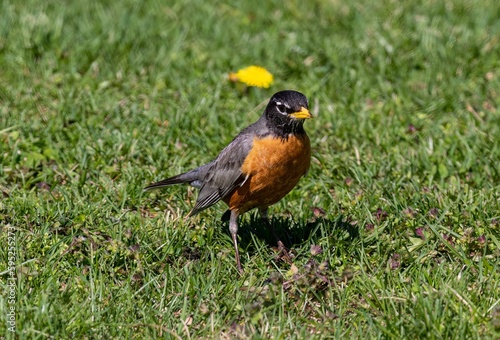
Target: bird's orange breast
273	166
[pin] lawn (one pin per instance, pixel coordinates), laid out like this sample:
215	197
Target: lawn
394	232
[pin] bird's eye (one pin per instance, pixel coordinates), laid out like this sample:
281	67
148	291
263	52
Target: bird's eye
281	108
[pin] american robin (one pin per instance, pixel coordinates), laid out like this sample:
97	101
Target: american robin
259	167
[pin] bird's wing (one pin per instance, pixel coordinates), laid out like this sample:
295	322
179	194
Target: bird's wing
224	173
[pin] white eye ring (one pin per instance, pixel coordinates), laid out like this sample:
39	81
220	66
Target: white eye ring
281	108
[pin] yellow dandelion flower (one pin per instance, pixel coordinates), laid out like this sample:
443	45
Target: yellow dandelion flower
253	76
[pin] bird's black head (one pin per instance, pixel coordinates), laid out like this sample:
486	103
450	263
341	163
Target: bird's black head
286	112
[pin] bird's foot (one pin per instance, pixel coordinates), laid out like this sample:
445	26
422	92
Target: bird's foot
284	254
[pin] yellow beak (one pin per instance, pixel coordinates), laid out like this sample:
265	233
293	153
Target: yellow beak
302	114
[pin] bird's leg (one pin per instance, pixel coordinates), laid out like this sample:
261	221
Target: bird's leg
283	252
263	214
233	229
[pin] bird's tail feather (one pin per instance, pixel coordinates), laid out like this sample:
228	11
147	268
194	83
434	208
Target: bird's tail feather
192	177
169	181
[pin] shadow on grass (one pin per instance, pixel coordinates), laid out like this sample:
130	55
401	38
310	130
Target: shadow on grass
290	232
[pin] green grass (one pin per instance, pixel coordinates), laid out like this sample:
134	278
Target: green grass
395	230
